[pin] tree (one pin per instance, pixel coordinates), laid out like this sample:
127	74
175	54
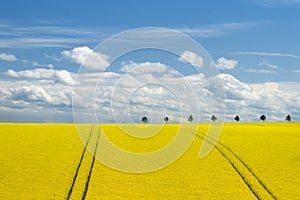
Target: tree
263	118
288	118
145	119
213	118
237	118
190	119
166	119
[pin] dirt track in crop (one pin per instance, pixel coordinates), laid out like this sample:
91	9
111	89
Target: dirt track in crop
253	182
259	189
93	130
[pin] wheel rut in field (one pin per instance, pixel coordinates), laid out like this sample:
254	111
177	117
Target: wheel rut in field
250	170
253	182
79	165
91	168
81	170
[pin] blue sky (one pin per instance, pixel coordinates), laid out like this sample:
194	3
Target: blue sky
260	38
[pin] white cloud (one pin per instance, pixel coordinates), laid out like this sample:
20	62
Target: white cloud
51	66
39	42
8	57
31	93
61	76
223	63
36	64
143	68
257	53
267	64
269	87
249	101
237	90
34	94
261	71
216	30
53	57
87	58
22	36
38	73
141	91
192	58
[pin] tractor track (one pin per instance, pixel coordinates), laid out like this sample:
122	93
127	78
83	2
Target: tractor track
250	170
79	166
91	168
252	181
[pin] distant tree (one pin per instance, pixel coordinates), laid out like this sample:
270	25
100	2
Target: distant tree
144	119
190	119
166	119
237	118
263	118
213	118
288	118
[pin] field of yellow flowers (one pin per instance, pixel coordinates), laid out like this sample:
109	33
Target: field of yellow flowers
249	161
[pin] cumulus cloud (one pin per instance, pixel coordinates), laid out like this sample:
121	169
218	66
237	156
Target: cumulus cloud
143	68
43	97
61	76
249	101
87	58
127	96
223	63
270	87
192	58
236	90
31	93
35	73
146	88
36	93
8	57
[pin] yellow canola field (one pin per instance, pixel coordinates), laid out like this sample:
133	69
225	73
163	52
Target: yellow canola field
250	161
271	151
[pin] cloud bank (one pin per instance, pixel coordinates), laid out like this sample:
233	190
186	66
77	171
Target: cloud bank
43	91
